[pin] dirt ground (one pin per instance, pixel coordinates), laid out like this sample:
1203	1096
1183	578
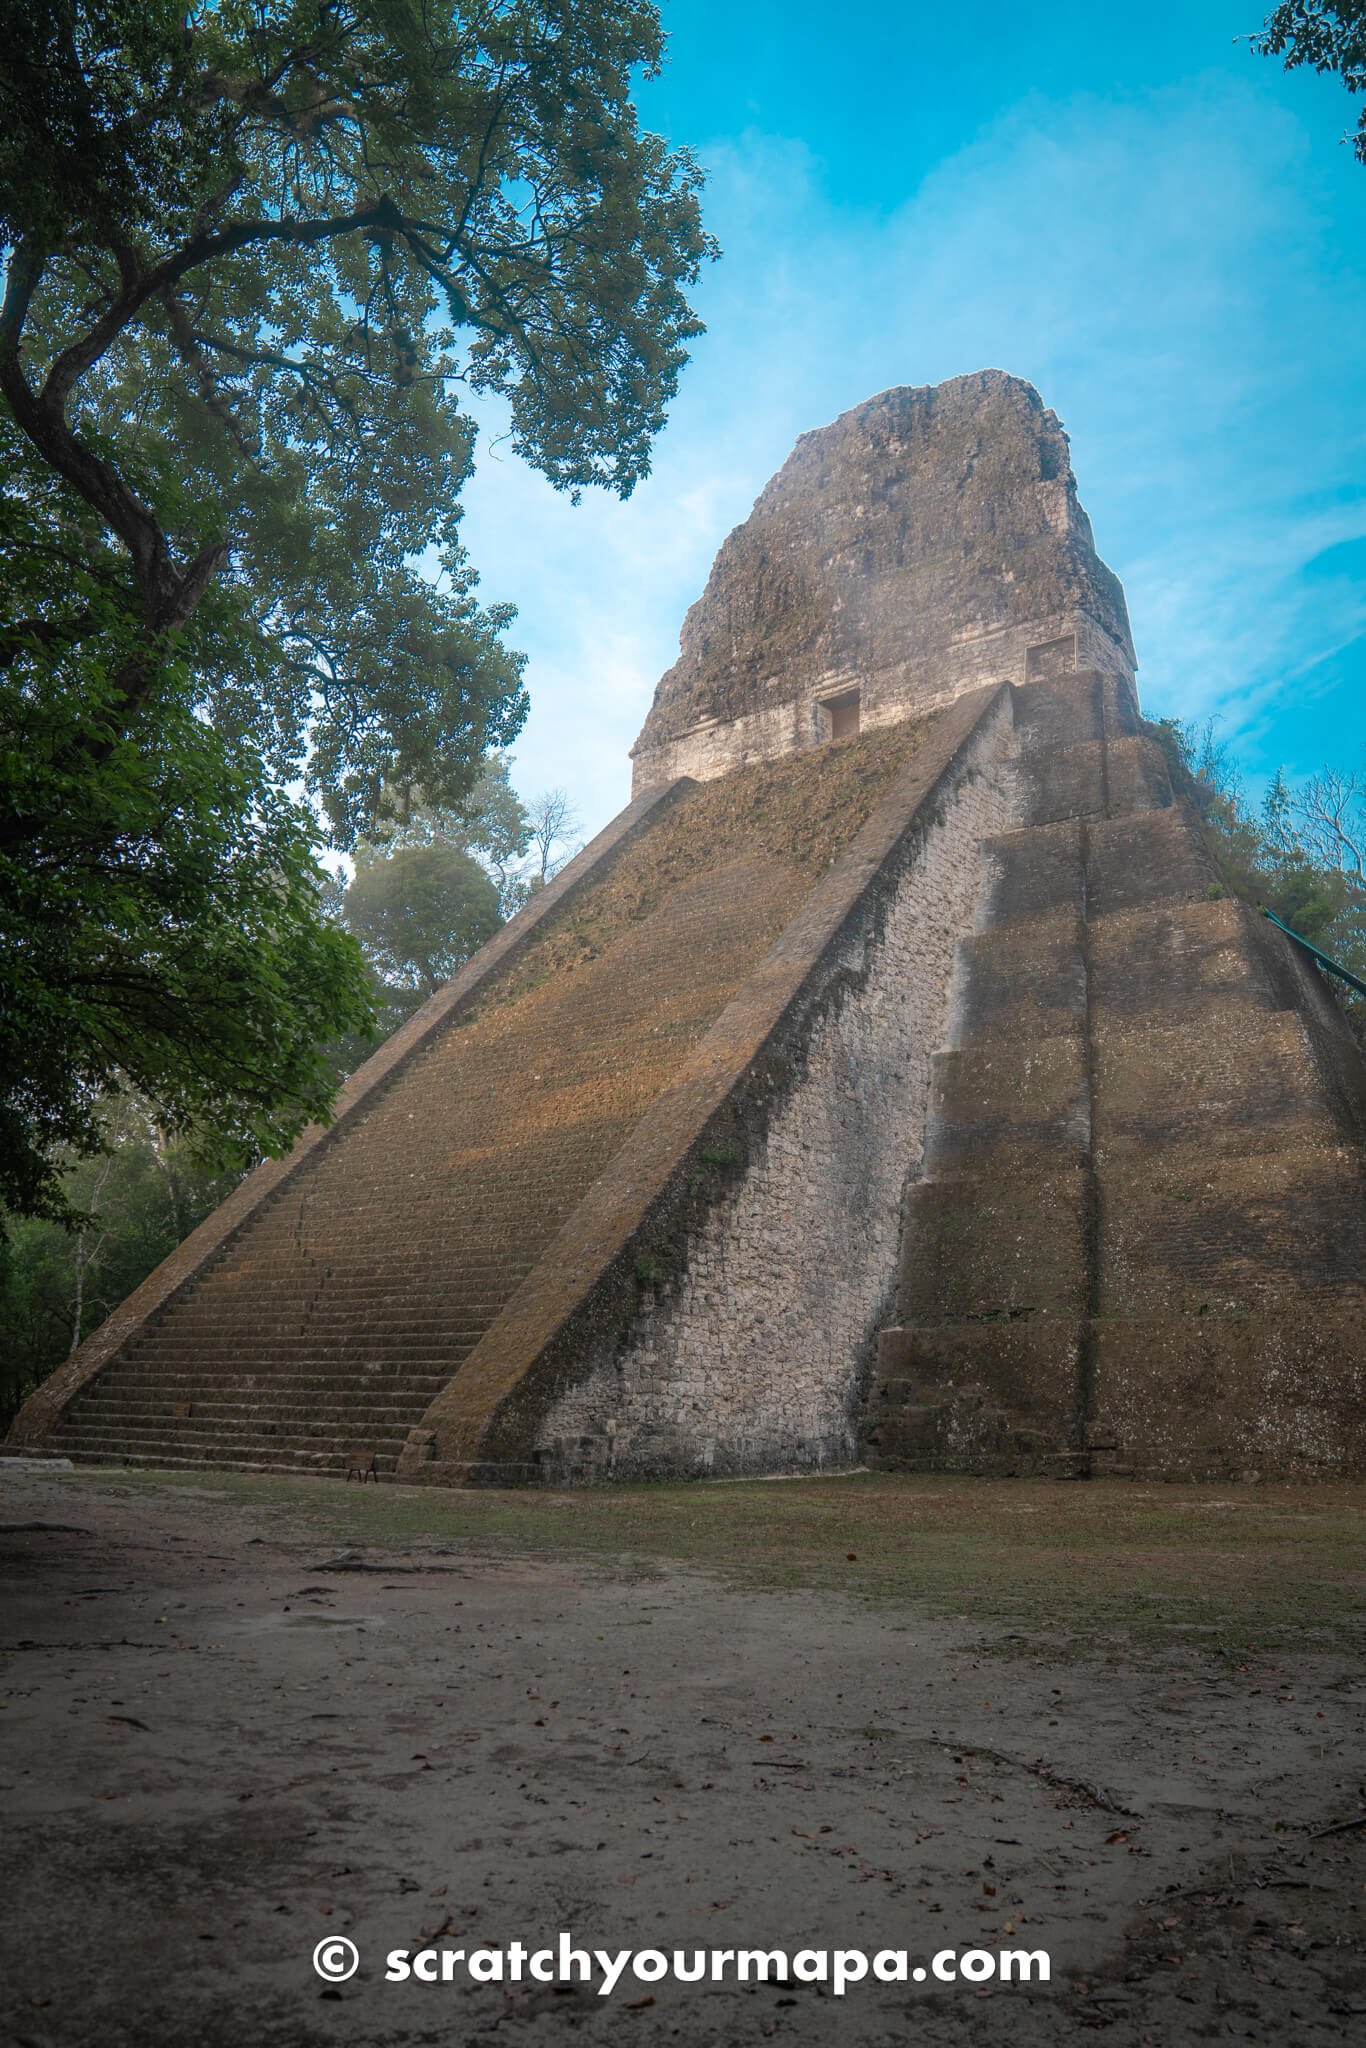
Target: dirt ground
1118	1724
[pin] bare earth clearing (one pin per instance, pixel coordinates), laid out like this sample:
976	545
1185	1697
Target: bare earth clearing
1120	1723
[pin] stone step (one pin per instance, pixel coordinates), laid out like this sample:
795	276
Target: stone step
1137	778
381	1281
1176	958
413	1238
1171	1397
1093	780
159	1408
963	1422
1226	1080
267	1436
986	1244
1143	862
1197	1397
336	1400
1002	1359
356	1257
316	1465
1186	1229
1059	712
366	1321
1033	873
1001	1397
316	1374
445	1283
360	1347
118	1383
1063	783
338	1394
174	1430
1008	1104
1028	979
1131	863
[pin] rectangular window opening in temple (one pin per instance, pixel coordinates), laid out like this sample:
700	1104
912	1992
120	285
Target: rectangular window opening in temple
843	713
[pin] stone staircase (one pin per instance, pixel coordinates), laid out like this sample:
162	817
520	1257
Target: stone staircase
314	1334
329	1321
1135	1241
287	1363
1138	1240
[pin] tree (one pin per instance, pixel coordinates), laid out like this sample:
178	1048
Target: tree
1330	816
420	912
139	1198
491	823
554	821
1298	853
254	252
418	920
1326	36
160	930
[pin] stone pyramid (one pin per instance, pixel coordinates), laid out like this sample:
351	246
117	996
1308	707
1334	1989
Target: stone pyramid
891	1082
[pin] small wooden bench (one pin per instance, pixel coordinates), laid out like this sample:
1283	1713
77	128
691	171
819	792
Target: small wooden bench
363	1465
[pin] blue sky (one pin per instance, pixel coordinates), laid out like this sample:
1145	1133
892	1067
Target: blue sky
1127	206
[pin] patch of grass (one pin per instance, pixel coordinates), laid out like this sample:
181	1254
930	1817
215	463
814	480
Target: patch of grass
1222	1569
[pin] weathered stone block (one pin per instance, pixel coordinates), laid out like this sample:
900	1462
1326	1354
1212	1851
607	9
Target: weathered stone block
1221	1079
1145	861
993	1397
1063	783
1136	777
1027	979
1034	873
1174	961
989	1245
1185	1230
996	1108
1066	711
1250	1397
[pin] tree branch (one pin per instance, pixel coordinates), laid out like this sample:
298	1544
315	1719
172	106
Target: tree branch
82	355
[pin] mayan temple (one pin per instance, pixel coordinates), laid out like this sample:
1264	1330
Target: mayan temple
892	1082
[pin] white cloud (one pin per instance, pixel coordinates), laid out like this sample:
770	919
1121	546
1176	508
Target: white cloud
1166	269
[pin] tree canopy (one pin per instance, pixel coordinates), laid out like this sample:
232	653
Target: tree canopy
420	913
552	821
257	260
491	823
1301	852
1325	36
139	1198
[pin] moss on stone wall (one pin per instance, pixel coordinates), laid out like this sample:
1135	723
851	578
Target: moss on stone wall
791	820
778	826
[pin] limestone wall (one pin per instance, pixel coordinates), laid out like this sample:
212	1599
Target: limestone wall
925	544
751	1356
905	689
